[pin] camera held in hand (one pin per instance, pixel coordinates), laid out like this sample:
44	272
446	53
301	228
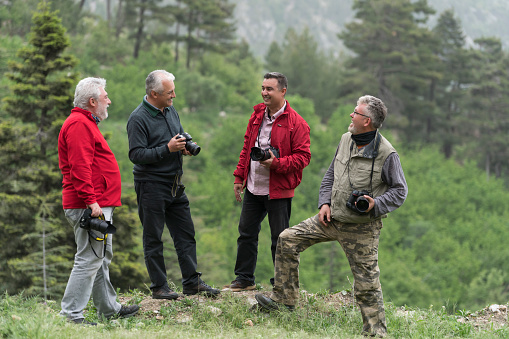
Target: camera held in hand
258	154
357	203
88	222
191	147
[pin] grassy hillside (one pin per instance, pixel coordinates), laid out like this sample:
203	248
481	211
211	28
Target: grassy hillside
232	316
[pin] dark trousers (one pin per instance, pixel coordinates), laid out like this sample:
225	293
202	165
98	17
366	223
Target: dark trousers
156	206
254	210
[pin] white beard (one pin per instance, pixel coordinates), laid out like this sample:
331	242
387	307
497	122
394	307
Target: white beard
102	112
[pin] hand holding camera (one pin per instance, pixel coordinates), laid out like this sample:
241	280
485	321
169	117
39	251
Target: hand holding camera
88	222
190	146
358	203
183	142
259	154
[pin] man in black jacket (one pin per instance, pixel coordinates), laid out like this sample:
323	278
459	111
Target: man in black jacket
156	148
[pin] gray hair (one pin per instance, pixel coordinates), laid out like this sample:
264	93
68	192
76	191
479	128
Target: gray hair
154	81
282	81
375	109
88	88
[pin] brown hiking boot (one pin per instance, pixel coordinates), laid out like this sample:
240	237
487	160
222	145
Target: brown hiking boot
164	293
238	286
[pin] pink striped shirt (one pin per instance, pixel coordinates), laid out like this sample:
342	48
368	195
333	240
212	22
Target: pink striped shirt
258	177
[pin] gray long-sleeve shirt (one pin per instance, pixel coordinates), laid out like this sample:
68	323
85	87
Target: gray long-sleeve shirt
392	175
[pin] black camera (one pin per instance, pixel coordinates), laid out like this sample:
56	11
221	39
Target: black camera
88	222
258	154
191	147
357	203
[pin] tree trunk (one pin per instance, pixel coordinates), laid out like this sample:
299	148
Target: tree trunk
108	12
487	167
120	19
139	33
189	35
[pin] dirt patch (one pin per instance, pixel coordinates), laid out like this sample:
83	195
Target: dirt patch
491	317
150	305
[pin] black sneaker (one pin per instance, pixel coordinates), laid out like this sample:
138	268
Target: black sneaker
82	321
164	294
267	304
128	311
202	287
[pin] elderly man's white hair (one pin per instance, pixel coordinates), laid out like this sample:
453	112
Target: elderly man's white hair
376	109
86	89
154	80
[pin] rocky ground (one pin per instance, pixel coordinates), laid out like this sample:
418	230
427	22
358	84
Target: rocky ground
492	317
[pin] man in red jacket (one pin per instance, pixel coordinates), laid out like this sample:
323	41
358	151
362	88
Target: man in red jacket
91	180
276	150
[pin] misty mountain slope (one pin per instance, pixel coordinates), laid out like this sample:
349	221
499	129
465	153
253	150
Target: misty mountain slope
260	22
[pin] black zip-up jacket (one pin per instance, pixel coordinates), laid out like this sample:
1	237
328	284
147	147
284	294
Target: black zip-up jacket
149	130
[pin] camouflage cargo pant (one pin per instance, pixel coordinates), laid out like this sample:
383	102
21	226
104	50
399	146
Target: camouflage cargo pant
360	244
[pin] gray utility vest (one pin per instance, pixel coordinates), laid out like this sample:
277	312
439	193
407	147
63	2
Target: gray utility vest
357	162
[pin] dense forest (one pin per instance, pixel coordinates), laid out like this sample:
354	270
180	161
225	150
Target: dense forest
448	118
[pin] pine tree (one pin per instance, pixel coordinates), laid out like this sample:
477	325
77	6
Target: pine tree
30	178
393	59
487	117
209	25
449	91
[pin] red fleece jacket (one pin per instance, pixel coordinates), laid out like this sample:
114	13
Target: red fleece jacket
290	134
89	168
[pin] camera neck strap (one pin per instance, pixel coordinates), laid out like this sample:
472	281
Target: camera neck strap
171	136
92	235
260	130
378	139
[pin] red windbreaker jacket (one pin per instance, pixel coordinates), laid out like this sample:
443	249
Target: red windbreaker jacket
290	134
89	168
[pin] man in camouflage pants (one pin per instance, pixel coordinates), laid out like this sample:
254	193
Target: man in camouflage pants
364	182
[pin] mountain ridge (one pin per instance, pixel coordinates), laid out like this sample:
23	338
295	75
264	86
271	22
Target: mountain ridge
260	22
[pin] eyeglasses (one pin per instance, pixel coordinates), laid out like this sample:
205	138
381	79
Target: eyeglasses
364	115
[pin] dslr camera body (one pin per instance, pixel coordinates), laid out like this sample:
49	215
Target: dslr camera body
258	154
357	203
191	147
88	222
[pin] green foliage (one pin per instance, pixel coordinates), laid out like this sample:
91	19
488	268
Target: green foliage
311	73
40	82
16	17
447	233
127	271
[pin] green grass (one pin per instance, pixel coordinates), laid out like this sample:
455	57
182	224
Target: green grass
227	317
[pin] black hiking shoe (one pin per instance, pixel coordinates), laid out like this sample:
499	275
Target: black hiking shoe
202	287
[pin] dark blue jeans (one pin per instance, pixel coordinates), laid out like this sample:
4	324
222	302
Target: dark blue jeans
254	210
156	206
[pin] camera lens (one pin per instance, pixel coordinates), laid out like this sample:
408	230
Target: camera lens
257	154
193	148
362	204
99	225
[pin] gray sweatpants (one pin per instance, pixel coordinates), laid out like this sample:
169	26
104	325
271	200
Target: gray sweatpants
90	275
